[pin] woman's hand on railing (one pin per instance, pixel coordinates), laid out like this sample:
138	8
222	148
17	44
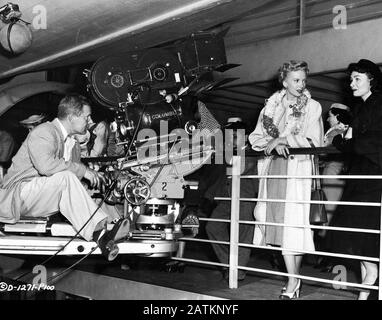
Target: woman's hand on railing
278	144
282	150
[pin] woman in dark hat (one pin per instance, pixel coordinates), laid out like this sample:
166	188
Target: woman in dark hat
365	147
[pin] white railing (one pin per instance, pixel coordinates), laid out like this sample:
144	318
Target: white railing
235	222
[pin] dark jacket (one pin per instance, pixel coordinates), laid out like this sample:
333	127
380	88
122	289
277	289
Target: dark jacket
366	143
366	159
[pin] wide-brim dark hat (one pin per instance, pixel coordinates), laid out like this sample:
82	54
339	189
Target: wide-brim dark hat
368	66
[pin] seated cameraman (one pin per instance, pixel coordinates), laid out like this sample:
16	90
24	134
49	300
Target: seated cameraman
45	175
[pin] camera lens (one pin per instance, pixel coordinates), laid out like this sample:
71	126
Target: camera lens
159	73
117	81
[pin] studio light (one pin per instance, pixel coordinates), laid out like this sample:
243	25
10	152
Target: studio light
15	33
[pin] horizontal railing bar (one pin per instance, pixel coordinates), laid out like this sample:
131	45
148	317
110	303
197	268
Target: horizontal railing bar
318	253
204	240
349	177
200	261
345	203
311	227
372	231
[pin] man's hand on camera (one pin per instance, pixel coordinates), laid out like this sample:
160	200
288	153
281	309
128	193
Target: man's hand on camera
95	178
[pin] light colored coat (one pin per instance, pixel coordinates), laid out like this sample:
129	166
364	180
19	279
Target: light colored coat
297	189
41	154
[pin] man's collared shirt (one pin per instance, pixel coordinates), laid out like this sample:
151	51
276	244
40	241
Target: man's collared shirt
69	142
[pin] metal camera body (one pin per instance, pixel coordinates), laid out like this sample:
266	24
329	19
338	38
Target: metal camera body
145	90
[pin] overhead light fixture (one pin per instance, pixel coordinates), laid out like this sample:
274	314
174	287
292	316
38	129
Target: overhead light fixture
15	33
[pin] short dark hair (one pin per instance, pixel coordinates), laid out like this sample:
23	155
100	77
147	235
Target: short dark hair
292	66
71	104
343	116
371	70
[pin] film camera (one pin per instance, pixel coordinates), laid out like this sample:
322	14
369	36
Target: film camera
149	90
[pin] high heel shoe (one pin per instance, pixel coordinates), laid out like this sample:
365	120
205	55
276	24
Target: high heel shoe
295	294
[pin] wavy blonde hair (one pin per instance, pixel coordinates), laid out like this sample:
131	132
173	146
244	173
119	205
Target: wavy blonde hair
290	66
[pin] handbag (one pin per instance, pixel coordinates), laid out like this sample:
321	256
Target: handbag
317	213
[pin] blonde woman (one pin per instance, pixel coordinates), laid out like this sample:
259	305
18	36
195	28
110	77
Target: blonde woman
290	119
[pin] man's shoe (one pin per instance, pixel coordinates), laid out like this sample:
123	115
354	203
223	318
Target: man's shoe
107	241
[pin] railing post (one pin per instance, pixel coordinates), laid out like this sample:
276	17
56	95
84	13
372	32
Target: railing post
235	215
380	256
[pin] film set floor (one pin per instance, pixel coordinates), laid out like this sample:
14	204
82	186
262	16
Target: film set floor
145	278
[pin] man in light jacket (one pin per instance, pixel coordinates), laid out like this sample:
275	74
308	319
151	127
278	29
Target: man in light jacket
45	175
